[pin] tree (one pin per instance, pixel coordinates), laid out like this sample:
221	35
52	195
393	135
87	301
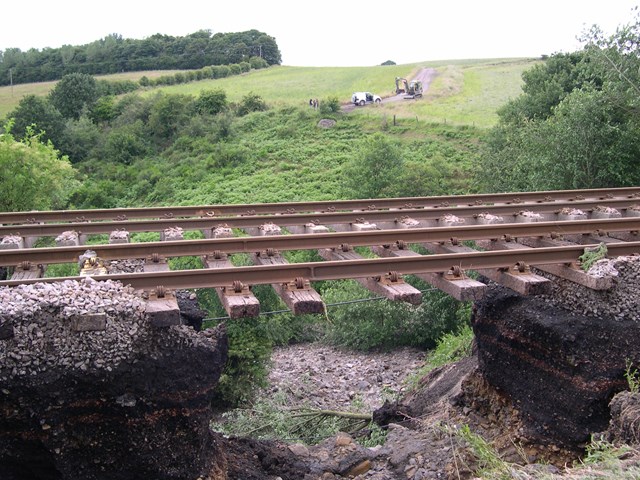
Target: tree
73	93
576	123
38	114
268	49
211	102
376	171
32	174
167	114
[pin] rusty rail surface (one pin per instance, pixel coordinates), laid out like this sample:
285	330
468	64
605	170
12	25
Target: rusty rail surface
178	248
326	218
513	198
510	260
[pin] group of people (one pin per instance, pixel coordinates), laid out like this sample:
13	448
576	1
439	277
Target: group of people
313	103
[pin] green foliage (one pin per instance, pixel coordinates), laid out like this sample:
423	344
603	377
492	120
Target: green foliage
330	105
167	114
211	102
62	270
285	328
382	324
258	63
104	110
74	93
124	144
32	174
246	368
39	114
161	52
603	453
591	256
143	237
491	466
450	347
116	87
251	102
575	125
375	171
271	418
633	377
81	138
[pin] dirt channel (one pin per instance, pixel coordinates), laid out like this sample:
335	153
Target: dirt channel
425	75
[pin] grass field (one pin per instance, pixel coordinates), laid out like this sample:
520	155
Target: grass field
464	92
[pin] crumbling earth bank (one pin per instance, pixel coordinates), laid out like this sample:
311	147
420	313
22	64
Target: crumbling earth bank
89	390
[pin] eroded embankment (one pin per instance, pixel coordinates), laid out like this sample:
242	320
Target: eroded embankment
89	389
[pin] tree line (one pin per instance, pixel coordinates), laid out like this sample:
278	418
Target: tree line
113	54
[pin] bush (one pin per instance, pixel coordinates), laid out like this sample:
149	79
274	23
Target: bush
221	71
211	101
123	145
330	105
383	324
258	63
246	369
251	102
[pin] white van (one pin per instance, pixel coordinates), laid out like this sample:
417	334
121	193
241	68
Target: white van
361	98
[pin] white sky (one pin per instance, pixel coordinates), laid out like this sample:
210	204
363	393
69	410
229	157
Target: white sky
330	32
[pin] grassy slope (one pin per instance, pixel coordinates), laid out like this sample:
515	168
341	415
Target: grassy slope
465	91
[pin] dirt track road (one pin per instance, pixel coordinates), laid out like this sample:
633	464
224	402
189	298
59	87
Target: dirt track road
425	75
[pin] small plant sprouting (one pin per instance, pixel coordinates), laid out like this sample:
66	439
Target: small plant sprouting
591	256
633	377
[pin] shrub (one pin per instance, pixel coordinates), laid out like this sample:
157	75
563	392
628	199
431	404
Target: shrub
383	324
330	105
245	371
258	63
251	102
211	101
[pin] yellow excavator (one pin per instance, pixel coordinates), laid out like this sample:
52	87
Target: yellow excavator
412	89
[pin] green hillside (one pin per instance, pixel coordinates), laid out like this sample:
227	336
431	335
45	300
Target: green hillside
464	92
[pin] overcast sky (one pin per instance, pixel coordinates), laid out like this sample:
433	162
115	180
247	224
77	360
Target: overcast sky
329	32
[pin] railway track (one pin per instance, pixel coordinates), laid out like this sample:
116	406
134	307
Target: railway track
513	198
545	230
432	216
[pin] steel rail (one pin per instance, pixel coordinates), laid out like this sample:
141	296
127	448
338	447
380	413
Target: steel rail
114	214
334	270
372	216
322	240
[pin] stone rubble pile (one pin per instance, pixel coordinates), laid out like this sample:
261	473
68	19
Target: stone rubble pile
622	301
11	240
132	265
42	320
323	377
68	236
